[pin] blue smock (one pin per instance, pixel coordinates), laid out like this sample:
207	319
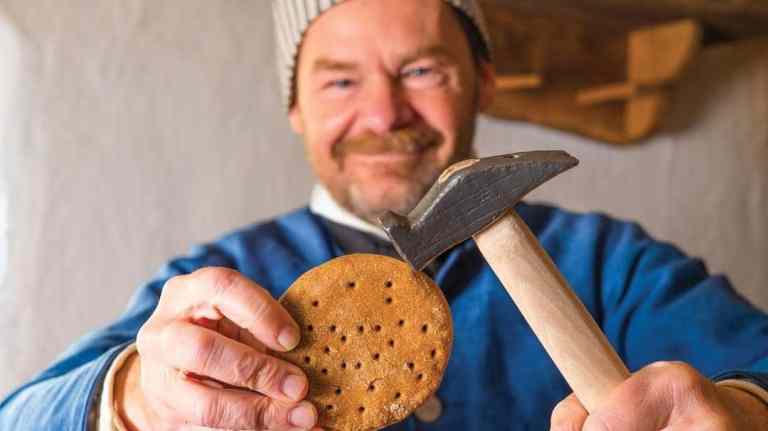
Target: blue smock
653	302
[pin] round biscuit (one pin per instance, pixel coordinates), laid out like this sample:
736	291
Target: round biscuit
376	338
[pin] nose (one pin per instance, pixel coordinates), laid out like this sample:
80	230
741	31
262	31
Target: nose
385	107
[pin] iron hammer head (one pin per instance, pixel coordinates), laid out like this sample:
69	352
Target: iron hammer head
469	196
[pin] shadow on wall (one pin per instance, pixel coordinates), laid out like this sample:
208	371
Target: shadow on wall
690	108
9	80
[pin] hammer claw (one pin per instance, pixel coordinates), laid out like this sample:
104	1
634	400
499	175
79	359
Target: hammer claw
468	197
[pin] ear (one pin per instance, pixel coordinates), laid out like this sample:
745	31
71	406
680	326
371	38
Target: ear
486	85
296	118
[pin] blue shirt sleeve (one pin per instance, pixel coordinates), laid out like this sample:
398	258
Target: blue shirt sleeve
62	396
659	304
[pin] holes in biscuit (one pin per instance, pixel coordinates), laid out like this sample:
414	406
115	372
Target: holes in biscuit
343	338
351	284
310	328
376	356
388	300
433	353
327	349
358	366
410	365
420	376
398	395
361	329
343	365
329	407
424	328
337	391
307	359
388	284
391	343
315	303
324	371
333	328
371	388
401	323
377	328
361	409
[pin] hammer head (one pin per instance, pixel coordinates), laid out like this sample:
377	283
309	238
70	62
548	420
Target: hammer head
468	197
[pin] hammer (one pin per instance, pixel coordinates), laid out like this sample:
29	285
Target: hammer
475	198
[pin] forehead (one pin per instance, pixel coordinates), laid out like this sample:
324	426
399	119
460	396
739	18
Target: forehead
357	29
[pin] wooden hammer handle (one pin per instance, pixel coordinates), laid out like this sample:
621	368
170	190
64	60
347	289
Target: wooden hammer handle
562	324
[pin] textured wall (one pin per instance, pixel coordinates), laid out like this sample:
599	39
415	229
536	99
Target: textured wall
141	127
702	183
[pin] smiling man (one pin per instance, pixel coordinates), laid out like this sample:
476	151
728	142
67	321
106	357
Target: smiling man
381	117
385	94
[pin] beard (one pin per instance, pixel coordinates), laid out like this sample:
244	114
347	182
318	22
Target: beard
370	192
400	199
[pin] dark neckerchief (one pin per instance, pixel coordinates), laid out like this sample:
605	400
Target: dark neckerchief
351	240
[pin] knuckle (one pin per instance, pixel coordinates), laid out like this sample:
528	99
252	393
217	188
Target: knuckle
142	340
171	286
560	411
220	279
264	373
262	313
602	423
679	375
246	369
685	377
565	416
266	414
565	424
209	411
206	352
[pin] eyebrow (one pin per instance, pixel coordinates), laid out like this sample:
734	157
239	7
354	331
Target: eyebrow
325	64
329	65
429	51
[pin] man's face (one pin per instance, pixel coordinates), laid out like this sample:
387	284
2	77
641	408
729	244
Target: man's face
387	95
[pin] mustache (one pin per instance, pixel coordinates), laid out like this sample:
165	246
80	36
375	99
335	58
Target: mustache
406	141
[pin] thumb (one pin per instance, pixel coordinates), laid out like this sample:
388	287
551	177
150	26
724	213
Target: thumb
568	415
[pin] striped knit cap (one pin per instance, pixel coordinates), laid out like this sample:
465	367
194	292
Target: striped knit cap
293	17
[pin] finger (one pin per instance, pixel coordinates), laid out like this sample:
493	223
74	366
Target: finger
229	329
224	293
185	401
568	415
641	403
207	353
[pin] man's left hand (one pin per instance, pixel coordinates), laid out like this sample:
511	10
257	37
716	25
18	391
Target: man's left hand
669	396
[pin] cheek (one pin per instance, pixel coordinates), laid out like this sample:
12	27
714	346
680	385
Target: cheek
327	127
442	112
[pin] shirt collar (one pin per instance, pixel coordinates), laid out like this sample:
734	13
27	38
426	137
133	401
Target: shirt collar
322	203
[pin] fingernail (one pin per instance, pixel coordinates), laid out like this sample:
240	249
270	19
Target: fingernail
288	338
303	416
293	387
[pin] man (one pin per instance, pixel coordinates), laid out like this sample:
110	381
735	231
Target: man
385	94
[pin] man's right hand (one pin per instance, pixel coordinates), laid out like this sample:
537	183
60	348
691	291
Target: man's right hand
203	360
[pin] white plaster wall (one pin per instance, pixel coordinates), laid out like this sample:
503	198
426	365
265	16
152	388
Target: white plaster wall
10	63
140	127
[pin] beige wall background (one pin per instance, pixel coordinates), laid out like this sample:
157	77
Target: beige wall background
132	129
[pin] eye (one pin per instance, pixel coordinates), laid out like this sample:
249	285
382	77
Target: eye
338	87
340	84
421	77
417	72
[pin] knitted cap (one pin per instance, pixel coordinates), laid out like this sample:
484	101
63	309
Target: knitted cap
293	17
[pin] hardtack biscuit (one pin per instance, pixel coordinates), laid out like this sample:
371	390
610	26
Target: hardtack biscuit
376	338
